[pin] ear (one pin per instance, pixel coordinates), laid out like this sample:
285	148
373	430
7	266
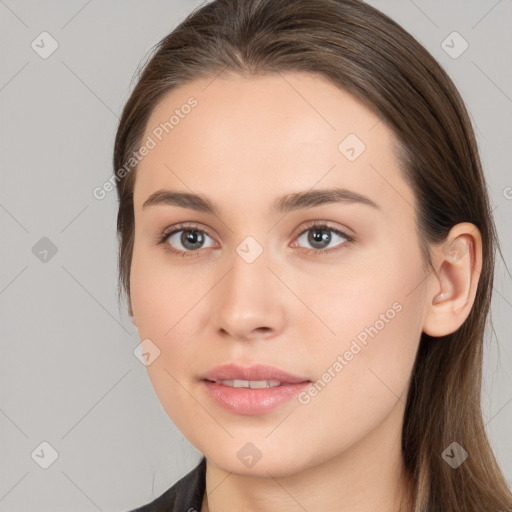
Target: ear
453	286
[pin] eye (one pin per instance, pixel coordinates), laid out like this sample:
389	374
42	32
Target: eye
185	239
321	235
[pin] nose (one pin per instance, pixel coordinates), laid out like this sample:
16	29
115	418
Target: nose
249	302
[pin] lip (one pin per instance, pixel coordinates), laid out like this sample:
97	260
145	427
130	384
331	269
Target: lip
254	372
247	401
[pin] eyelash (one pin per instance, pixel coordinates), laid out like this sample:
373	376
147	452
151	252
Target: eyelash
162	239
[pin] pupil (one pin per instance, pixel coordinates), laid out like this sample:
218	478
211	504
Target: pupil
191	237
318	236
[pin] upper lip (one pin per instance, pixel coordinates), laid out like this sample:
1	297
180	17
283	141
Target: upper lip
253	372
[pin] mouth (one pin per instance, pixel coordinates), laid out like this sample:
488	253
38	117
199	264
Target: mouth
254	377
251	390
252	384
240	399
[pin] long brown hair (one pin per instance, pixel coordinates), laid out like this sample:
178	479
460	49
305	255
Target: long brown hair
363	51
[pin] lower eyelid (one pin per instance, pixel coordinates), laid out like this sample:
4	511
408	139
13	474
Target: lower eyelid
338	247
164	239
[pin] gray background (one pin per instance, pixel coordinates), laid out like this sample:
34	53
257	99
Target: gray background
68	374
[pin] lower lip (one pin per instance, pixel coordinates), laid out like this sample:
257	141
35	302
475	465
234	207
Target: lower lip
252	401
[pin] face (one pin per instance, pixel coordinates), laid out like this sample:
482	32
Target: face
339	305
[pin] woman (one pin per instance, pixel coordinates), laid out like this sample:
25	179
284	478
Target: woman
307	248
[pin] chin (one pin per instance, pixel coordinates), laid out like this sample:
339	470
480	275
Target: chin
274	464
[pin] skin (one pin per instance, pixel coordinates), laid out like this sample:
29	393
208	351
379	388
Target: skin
247	142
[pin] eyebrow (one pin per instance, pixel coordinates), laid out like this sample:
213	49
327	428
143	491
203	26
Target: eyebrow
284	204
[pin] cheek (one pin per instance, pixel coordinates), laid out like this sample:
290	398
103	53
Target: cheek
358	297
170	309
158	308
374	315
161	293
364	371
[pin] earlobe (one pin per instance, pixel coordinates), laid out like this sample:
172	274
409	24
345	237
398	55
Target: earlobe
453	285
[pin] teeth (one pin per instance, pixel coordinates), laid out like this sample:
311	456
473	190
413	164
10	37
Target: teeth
253	384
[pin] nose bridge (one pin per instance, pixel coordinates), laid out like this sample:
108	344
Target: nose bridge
248	298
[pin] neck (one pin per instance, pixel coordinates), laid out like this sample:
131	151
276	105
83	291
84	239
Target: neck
369	476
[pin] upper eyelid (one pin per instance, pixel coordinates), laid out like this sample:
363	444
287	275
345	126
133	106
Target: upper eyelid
182	226
304	227
324	223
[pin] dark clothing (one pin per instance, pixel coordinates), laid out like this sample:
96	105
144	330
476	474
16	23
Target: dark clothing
186	495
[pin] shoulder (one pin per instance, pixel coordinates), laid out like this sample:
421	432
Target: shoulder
186	495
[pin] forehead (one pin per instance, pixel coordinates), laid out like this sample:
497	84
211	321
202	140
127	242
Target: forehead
249	138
